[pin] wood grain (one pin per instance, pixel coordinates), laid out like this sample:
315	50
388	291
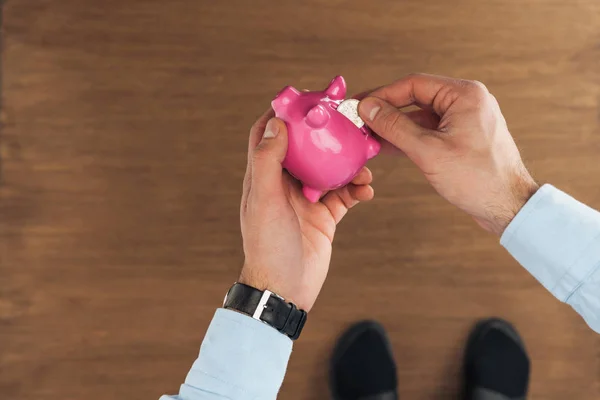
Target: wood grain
124	128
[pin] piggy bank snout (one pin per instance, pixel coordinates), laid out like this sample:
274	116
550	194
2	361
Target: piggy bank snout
284	99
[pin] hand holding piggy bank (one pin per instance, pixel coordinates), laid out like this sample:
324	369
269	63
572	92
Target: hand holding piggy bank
326	149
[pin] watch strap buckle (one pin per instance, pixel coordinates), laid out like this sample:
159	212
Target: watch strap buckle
262	304
266	307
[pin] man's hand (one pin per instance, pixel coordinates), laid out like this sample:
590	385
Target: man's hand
459	139
287	240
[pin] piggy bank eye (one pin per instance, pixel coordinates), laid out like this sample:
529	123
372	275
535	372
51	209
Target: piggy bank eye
317	116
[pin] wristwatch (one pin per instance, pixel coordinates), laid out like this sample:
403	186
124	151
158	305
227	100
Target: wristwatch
266	307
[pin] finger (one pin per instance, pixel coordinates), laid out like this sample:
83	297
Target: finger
267	157
392	125
365	93
338	202
256	133
437	92
257	130
364	177
425	118
361	192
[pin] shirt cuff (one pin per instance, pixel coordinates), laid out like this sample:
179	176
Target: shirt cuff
240	357
555	237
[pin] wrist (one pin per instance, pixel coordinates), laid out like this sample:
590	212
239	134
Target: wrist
523	188
267	307
255	278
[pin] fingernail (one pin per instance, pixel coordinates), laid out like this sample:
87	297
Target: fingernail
271	130
369	107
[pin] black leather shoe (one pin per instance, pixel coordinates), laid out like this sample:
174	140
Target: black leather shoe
496	363
362	365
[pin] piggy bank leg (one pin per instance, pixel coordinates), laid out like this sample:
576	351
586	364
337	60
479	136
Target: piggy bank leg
373	147
313	195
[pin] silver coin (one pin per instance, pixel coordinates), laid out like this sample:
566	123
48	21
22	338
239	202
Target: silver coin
349	108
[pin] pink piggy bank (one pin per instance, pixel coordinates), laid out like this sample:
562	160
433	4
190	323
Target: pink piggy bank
326	149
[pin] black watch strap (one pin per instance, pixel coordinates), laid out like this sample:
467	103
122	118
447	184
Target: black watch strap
266	307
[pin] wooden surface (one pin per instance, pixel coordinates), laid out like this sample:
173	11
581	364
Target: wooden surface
124	128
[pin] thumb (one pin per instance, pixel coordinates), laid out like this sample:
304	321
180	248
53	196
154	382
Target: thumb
392	124
267	158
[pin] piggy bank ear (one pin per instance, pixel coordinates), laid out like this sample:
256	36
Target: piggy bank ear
317	116
337	88
285	97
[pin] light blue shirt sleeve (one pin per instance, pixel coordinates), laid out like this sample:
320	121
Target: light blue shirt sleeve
557	239
240	358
